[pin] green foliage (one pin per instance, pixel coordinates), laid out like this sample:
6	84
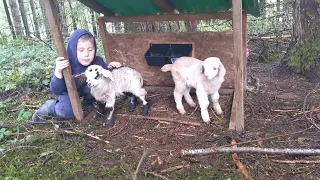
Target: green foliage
4	133
25	63
304	55
24	115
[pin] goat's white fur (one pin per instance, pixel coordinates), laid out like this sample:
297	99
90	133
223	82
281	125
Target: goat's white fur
105	85
205	76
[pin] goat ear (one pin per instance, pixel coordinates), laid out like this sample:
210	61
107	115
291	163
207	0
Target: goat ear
107	74
222	72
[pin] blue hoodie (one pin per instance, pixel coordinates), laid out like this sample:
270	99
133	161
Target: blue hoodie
58	86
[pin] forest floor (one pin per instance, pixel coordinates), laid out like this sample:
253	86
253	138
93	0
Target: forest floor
140	148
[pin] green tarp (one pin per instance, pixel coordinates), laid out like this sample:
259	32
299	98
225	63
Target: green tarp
148	7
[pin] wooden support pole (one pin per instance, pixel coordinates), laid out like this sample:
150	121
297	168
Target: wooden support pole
103	34
244	41
237	113
61	50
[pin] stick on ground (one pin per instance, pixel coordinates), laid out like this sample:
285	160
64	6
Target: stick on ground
158	119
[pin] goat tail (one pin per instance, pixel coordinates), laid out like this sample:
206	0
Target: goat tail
166	68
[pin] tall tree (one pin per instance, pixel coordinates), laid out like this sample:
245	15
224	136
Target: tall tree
24	17
191	26
74	25
16	17
93	23
62	17
45	20
305	45
35	19
9	19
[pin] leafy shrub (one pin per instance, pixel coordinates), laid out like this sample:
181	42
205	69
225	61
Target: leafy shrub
24	62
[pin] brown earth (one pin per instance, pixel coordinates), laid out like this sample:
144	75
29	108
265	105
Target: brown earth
274	118
276	110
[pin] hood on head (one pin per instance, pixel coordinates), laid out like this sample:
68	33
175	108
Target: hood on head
72	50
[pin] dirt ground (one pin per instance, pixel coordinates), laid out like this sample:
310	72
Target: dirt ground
275	110
273	119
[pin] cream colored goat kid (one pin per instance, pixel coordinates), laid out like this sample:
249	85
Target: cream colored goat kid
205	76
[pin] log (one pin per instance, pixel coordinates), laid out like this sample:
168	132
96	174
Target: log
206	151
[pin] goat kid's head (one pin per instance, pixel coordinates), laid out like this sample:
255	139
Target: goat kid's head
212	67
95	74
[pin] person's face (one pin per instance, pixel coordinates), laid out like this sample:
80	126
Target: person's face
85	52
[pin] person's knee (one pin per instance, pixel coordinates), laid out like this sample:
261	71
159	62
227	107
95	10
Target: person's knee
63	108
64	111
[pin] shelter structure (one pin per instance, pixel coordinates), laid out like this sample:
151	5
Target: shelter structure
129	49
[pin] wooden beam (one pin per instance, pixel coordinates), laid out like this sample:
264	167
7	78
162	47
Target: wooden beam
97	7
169	17
58	41
164	6
237	118
103	34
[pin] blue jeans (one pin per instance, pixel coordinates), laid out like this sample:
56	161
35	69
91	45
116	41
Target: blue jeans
61	107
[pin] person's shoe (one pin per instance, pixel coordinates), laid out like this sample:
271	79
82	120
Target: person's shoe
48	108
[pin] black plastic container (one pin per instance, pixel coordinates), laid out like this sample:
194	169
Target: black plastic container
161	54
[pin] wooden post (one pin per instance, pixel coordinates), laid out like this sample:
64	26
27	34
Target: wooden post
58	41
244	35
103	34
237	113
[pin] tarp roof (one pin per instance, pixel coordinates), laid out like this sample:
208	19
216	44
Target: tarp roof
155	7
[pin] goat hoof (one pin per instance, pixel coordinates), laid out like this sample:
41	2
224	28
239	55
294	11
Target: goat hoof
182	111
207	121
145	110
110	122
132	107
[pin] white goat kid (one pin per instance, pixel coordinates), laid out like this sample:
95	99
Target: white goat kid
205	76
105	85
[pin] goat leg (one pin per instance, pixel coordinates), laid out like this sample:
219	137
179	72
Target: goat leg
145	109
133	103
111	119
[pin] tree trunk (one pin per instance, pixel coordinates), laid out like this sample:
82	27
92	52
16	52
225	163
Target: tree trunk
62	17
263	8
45	20
278	5
9	19
72	16
35	19
24	17
302	54
191	26
16	17
93	23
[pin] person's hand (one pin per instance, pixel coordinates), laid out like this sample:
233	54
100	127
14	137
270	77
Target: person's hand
114	64
61	63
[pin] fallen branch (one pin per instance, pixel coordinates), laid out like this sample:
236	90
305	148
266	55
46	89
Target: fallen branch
33	123
240	166
157	175
268	138
175	168
139	164
159	119
91	163
304	107
296	161
67	132
206	151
